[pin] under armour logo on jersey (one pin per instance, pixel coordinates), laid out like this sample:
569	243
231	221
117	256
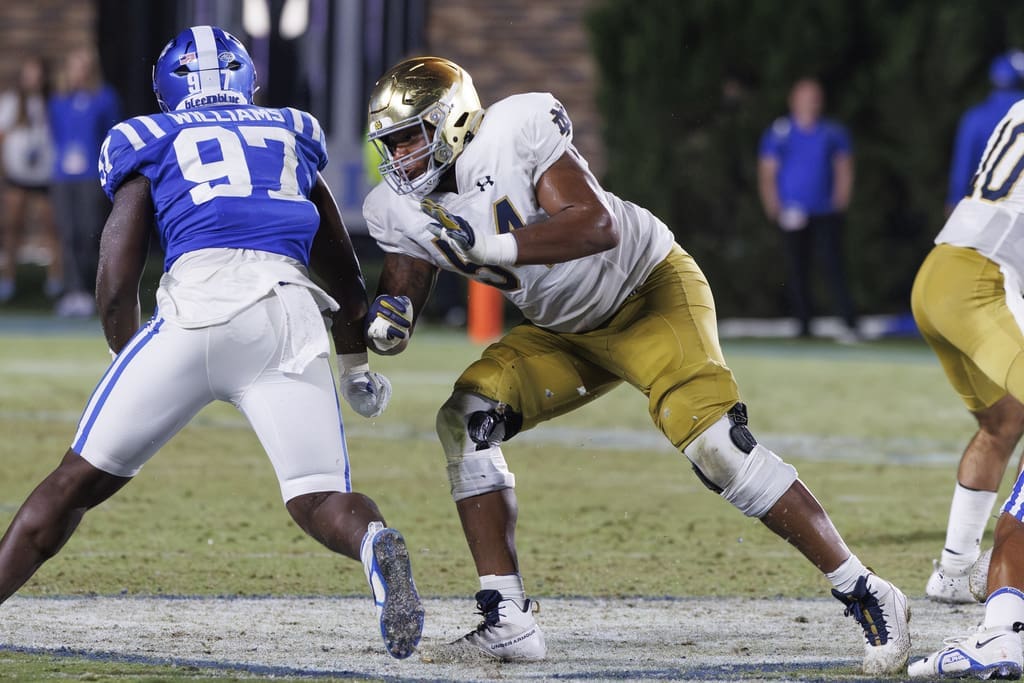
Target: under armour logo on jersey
482	184
561	119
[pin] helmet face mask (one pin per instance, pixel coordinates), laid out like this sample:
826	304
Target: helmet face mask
437	97
203	66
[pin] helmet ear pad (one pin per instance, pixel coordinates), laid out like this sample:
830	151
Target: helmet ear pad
203	66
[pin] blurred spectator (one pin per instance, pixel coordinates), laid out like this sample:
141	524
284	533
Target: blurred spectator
805	179
26	155
81	113
1007	76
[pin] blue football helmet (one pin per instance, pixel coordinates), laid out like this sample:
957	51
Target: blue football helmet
203	66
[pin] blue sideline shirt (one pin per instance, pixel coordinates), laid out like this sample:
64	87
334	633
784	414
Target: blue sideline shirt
976	125
79	121
805	162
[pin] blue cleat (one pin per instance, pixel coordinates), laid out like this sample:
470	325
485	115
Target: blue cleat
389	573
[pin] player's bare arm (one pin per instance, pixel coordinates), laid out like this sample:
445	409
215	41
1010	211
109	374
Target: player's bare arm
123	247
579	223
403	277
334	260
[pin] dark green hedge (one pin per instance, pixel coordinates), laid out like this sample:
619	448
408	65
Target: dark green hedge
687	88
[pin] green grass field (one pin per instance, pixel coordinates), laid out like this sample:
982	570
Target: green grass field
606	508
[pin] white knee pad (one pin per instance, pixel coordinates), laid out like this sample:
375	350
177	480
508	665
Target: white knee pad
753	481
471	472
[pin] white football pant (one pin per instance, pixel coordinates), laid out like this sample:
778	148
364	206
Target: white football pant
167	373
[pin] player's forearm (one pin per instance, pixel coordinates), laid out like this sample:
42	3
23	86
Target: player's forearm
348	333
409	277
572	233
120	315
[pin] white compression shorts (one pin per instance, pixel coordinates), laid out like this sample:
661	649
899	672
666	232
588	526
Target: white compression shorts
166	374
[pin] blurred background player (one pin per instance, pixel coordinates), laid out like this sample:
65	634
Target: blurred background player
26	153
967	303
235	195
502	196
805	181
1000	426
82	110
1006	73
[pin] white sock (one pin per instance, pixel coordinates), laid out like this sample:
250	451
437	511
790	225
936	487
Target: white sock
509	585
366	546
1005	607
844	578
968	515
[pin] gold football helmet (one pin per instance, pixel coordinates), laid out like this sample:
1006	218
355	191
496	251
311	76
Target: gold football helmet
437	96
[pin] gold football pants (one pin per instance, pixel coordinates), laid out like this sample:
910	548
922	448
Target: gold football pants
960	304
663	340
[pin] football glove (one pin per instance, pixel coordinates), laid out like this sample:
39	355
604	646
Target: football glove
367	392
468	244
388	322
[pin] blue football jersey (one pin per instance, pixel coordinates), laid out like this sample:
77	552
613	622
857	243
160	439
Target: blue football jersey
231	177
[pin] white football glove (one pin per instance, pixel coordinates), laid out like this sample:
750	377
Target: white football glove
367	392
388	322
469	245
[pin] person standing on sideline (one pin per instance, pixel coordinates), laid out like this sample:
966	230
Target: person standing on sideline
235	194
1006	73
26	154
80	115
805	180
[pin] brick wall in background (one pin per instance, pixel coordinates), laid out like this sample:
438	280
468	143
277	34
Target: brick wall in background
66	25
511	46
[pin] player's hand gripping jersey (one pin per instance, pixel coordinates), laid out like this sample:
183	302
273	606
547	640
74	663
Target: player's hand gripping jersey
230	188
990	219
497	173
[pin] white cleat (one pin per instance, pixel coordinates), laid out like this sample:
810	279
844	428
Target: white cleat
949	585
507	634
977	579
986	653
882	612
389	573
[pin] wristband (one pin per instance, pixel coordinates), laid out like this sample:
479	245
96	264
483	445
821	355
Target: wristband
353	363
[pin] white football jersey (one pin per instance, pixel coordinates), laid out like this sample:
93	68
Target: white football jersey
497	173
991	218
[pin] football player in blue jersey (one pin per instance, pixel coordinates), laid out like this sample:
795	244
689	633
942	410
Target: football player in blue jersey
234	192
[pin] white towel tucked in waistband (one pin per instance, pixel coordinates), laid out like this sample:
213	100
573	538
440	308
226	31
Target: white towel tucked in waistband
305	336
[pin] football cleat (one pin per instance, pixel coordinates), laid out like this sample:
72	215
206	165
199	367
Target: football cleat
948	585
389	573
507	633
986	653
977	579
882	612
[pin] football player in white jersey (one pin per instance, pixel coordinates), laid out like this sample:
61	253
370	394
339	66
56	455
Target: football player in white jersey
235	195
502	196
968	305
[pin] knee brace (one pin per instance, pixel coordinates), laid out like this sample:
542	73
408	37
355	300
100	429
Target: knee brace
731	463
474	467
